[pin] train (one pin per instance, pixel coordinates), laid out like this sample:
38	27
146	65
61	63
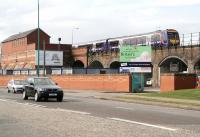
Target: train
159	38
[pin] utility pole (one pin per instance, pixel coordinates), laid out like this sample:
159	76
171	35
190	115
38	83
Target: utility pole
44	50
38	45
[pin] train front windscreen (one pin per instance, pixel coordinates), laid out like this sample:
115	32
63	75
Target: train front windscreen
173	38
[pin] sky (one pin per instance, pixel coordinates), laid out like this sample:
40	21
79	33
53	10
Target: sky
98	19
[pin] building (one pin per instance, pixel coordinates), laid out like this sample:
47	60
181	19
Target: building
19	51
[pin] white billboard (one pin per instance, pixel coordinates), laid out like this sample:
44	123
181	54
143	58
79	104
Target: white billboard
52	58
135	69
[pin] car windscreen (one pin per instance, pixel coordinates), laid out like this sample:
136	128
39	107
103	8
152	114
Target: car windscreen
20	82
43	81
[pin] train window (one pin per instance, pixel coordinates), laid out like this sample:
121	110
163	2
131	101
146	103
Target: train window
155	38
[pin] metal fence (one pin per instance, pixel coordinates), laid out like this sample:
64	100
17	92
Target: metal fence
190	39
59	71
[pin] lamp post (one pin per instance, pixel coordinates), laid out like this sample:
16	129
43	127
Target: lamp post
38	45
73	34
59	40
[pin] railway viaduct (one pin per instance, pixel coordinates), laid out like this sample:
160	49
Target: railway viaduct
164	60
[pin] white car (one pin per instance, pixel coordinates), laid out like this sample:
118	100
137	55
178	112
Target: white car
16	86
149	82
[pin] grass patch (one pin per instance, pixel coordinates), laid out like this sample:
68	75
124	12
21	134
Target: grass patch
190	94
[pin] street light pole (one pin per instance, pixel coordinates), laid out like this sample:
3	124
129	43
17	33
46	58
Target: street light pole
38	45
59	39
73	34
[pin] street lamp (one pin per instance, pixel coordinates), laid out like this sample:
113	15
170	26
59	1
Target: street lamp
73	34
38	45
59	39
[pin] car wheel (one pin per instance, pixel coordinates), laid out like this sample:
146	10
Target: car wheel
45	99
36	97
25	97
59	99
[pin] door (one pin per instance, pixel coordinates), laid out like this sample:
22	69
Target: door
137	82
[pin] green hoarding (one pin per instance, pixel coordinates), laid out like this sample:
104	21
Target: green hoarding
135	54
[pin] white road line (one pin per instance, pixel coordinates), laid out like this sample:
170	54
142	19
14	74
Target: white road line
144	124
34	105
125	108
3	100
26	104
72	111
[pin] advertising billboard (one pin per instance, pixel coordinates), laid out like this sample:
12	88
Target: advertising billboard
52	58
136	69
135	54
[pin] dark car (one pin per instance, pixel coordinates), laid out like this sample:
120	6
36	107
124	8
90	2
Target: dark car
42	88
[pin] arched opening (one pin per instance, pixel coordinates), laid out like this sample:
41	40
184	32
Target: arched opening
173	65
96	65
78	64
197	67
115	65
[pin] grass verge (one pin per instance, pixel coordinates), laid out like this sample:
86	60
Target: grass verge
190	94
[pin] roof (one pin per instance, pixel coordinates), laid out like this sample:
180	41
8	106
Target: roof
20	35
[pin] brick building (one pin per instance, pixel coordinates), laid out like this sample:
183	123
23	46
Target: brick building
19	50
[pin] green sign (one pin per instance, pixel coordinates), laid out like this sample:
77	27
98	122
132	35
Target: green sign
135	54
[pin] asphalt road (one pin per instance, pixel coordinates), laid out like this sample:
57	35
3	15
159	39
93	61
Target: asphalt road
85	116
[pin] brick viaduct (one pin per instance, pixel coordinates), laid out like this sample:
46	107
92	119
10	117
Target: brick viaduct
189	56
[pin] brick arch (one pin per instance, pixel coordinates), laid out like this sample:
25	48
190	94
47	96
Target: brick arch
96	64
177	57
113	60
96	59
196	60
78	64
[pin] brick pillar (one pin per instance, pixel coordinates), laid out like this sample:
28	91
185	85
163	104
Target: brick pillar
190	67
155	75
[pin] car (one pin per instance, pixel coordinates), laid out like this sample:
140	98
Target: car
42	88
16	86
149	82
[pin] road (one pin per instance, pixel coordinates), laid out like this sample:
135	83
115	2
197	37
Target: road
85	116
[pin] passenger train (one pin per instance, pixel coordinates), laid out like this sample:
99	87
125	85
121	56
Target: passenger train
160	38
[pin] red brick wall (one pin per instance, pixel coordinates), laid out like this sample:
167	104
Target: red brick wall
198	82
167	83
33	37
107	83
5	79
171	82
185	82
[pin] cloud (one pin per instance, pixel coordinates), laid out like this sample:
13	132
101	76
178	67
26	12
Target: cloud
98	19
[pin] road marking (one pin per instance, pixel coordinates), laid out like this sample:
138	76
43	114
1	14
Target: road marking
72	111
3	100
125	108
33	105
26	104
144	124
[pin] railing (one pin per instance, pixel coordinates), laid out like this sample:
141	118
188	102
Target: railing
59	71
190	39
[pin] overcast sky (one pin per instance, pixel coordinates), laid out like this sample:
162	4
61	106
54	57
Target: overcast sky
98	19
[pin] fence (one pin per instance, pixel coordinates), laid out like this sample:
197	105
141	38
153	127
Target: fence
190	39
59	71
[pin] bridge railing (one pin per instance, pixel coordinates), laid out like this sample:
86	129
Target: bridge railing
190	39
